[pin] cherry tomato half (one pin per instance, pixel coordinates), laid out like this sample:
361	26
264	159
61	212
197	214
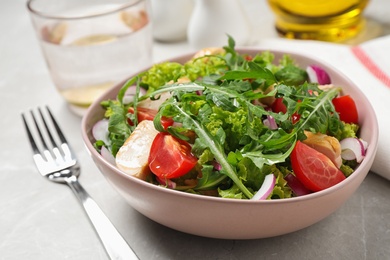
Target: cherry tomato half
346	108
170	157
278	106
149	114
314	169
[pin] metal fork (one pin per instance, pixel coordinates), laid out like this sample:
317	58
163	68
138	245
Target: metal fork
58	163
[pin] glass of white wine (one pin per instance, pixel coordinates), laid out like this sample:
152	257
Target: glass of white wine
91	45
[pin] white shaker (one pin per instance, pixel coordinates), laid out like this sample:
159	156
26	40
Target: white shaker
170	19
212	20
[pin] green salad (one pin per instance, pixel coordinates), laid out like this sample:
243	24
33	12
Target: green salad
232	125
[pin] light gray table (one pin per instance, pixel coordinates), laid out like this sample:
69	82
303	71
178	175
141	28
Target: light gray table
42	220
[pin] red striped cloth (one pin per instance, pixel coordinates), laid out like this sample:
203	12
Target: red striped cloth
371	66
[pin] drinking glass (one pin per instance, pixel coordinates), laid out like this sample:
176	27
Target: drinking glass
91	45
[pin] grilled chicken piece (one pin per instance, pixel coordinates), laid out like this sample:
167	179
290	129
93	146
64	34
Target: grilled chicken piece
132	157
325	144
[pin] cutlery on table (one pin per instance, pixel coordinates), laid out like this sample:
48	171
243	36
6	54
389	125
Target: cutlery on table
59	164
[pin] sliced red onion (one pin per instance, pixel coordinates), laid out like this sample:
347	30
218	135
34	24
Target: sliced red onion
177	124
266	188
166	182
296	186
100	131
318	75
270	122
365	145
130	93
106	154
217	166
353	148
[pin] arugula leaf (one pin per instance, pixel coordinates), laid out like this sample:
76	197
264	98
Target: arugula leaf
210	179
187	87
256	154
254	72
124	88
291	75
316	111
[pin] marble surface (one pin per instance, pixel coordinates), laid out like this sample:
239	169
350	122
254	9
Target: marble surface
42	220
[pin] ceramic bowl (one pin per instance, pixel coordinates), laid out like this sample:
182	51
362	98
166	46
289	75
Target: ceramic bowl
237	219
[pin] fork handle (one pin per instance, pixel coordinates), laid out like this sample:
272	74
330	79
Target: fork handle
116	247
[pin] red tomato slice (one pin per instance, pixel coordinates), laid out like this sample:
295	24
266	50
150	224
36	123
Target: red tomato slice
346	108
314	169
149	114
170	157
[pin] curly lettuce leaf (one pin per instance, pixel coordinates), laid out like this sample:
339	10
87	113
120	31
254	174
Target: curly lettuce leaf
348	130
233	192
160	74
281	189
118	128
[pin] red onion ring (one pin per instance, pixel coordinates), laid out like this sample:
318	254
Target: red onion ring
166	182
318	75
270	122
353	148
266	188
296	186
106	154
100	131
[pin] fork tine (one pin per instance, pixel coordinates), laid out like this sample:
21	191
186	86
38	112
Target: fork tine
39	154
51	155
39	131
56	149
66	149
47	128
57	127
30	136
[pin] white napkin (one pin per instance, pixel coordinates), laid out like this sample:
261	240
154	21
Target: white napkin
368	66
